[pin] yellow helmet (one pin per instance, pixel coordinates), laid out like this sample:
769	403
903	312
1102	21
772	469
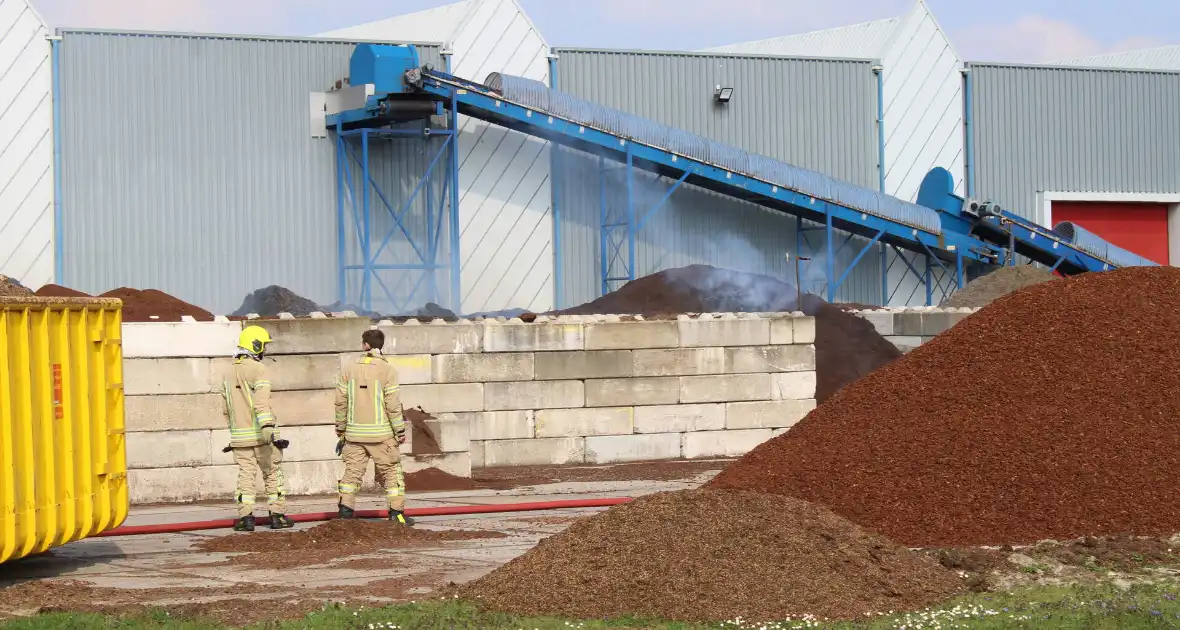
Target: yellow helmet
254	339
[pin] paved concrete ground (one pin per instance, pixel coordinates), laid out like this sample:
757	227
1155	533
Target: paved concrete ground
165	569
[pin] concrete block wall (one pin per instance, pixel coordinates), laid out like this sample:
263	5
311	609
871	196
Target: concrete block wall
909	327
571	389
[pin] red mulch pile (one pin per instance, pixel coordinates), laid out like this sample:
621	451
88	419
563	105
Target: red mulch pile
150	305
699	555
435	480
56	290
1049	414
847	347
423	439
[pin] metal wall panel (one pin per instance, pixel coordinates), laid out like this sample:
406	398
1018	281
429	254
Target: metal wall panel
1042	128
818	114
26	146
188	165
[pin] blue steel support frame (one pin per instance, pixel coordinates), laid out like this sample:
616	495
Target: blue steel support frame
426	264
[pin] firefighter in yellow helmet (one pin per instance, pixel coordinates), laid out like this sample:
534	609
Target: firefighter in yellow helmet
369	424
254	437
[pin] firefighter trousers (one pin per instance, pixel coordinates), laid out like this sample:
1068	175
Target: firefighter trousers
388	464
267	460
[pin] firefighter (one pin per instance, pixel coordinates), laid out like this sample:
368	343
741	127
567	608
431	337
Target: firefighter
254	438
369	424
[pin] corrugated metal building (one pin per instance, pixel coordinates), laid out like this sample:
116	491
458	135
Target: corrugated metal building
26	146
189	166
1096	146
922	104
507	230
815	113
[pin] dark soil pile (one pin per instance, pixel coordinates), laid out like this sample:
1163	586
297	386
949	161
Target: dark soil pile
423	440
699	555
56	290
150	305
435	480
986	289
9	287
272	300
847	347
1049	414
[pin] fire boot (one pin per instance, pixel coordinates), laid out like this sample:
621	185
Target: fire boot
398	516
346	512
244	524
280	521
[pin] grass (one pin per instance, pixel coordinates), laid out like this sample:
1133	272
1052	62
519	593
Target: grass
1098	607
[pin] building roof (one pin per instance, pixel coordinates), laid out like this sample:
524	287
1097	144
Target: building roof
867	39
432	25
1162	58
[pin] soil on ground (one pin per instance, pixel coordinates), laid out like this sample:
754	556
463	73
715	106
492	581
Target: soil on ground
699	555
56	290
150	305
1049	414
986	289
847	347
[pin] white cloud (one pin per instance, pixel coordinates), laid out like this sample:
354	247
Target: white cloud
1035	38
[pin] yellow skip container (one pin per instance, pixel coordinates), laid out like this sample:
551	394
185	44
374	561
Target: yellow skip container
63	463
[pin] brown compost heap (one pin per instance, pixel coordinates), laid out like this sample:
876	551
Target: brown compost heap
1049	414
9	287
847	347
986	289
139	305
698	555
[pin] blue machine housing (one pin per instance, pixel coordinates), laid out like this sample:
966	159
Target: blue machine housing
383	66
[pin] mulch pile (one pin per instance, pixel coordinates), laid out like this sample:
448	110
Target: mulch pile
435	480
272	300
56	290
847	347
423	440
150	305
699	555
9	287
986	289
1049	414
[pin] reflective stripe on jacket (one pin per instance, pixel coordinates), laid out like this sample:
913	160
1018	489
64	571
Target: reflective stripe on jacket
247	399
368	407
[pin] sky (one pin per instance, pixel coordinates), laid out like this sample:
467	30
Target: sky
1026	31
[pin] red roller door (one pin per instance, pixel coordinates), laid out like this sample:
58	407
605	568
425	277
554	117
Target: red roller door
1141	228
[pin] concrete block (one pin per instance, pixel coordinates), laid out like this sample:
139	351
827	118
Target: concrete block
632	448
632	335
626	392
757	359
185	339
181	485
679	362
907	324
303	407
956	317
905	343
774	414
502	425
727	388
174	412
552	423
458	464
534	452
723	443
412	369
315	336
782	331
882	321
793	386
935	323
307	443
442	339
312	478
444	398
702	333
804	328
483	367
169	376
532	337
533	395
477	455
303	371
453	435
580	365
168	449
679	418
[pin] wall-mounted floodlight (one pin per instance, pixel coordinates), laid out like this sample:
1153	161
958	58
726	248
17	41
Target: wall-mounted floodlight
722	94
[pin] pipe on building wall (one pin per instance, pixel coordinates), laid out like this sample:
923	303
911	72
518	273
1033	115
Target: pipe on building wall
58	227
554	190
968	131
456	257
880	72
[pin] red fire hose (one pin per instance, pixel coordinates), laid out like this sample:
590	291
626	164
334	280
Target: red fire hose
312	517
